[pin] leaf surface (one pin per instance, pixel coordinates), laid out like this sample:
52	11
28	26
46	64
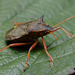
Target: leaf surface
13	59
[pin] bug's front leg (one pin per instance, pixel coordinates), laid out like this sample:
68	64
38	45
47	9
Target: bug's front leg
29	53
55	29
45	47
54	35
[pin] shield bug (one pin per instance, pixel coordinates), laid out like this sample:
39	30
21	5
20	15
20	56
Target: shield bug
28	32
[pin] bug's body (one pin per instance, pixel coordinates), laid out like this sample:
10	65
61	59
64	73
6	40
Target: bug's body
28	32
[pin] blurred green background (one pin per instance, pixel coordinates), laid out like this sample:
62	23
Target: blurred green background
12	60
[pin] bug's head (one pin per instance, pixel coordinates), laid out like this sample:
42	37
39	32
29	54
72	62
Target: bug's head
39	25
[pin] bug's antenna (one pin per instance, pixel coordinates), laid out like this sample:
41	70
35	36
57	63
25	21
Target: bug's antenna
63	21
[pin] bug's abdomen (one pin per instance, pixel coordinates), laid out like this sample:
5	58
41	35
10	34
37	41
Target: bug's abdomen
27	38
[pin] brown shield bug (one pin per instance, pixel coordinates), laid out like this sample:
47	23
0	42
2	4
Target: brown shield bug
27	32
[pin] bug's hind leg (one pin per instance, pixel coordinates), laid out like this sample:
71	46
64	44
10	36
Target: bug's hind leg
29	53
17	23
45	47
14	44
55	29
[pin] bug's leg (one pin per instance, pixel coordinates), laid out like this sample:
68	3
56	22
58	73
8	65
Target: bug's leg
14	44
54	35
17	23
45	47
55	29
14	22
29	53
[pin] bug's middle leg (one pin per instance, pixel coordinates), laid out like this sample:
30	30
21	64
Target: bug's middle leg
55	29
29	53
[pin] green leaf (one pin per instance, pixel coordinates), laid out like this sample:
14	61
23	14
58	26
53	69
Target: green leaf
13	60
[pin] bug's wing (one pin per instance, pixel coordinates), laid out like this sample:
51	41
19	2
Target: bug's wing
17	32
